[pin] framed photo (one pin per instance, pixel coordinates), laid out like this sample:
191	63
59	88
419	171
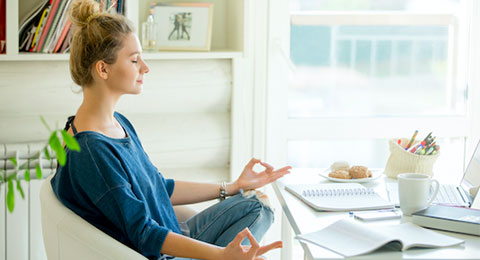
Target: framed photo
184	26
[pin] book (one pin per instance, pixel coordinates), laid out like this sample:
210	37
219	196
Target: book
32	8
40	23
338	197
62	36
3	21
53	27
62	22
460	220
54	6
28	25
350	238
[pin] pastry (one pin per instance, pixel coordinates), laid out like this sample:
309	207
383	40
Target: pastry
340	165
340	174
359	172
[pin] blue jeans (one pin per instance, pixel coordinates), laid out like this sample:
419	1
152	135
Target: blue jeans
220	223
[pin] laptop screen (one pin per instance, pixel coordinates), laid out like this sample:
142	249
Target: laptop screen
471	179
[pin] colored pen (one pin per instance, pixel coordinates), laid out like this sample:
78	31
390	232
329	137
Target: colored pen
411	140
416	147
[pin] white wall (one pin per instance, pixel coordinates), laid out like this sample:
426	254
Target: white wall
182	118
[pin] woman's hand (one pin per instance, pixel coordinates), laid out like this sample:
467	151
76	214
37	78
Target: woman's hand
236	251
250	179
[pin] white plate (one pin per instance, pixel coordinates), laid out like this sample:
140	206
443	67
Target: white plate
376	173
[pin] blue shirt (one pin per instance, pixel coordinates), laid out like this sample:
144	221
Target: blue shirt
112	184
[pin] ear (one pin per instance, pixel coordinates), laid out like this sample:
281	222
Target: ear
101	69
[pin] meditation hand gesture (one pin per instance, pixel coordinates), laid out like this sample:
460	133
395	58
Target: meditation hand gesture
236	251
250	179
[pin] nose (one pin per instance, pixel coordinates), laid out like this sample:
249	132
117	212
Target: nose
144	68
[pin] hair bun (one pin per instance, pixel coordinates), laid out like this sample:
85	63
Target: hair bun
82	11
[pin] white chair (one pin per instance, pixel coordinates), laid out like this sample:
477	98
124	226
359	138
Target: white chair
67	236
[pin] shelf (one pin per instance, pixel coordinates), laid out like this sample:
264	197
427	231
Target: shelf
169	55
166	55
228	32
33	57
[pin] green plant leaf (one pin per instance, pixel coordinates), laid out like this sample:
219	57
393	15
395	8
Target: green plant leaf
38	170
27	174
57	147
19	188
10	196
70	141
47	154
14	161
45	123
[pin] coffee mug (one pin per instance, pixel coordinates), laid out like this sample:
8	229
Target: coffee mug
414	192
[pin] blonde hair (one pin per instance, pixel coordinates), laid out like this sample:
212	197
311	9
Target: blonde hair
96	36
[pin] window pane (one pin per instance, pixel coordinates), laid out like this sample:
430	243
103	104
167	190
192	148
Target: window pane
370	71
372	153
367	5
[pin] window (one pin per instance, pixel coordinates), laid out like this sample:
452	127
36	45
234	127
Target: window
374	70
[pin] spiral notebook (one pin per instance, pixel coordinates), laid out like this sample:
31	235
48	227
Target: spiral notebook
339	197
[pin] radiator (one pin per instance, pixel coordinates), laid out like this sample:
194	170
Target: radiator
21	231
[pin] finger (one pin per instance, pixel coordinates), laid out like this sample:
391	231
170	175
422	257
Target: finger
286	168
277	176
240	236
255	246
268	166
262	250
252	163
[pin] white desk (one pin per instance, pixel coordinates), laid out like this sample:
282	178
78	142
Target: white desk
304	219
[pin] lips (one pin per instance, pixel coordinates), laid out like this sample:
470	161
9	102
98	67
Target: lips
140	81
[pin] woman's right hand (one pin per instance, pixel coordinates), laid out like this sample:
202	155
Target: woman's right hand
236	251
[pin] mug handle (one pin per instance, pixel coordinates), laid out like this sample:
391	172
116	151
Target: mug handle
437	184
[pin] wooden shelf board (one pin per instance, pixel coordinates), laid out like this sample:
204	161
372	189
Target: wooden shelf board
164	55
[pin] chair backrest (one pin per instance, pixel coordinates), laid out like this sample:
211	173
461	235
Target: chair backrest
67	236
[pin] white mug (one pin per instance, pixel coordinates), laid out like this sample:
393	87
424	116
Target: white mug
414	192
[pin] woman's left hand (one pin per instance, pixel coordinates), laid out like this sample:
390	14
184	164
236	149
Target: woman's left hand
250	179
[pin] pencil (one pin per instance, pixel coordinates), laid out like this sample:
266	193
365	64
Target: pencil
411	140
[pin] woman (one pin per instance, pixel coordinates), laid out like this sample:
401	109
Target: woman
111	182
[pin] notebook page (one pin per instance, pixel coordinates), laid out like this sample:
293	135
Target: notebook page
412	235
347	238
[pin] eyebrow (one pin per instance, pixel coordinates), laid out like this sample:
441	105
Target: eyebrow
135	52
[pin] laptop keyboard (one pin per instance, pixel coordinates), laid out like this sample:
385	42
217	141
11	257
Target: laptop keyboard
447	194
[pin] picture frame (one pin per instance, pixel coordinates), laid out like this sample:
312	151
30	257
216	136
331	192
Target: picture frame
184	26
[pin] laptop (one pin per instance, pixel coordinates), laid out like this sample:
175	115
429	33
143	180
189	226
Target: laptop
464	194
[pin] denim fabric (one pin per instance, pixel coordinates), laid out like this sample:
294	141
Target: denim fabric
220	223
112	184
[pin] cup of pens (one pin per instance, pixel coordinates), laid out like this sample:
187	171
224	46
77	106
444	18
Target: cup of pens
412	155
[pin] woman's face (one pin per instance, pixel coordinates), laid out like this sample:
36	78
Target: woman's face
126	75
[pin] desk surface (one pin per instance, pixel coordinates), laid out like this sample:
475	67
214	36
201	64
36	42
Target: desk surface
304	219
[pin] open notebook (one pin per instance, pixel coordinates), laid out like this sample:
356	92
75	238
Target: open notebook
338	196
350	238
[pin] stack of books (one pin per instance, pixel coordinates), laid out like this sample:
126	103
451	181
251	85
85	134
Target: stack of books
47	28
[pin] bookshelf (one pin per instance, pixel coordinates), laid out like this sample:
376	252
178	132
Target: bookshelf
228	32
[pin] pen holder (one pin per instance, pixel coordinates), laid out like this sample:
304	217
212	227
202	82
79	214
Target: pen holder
402	161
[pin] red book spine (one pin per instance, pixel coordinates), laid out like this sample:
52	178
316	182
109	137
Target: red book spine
51	15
